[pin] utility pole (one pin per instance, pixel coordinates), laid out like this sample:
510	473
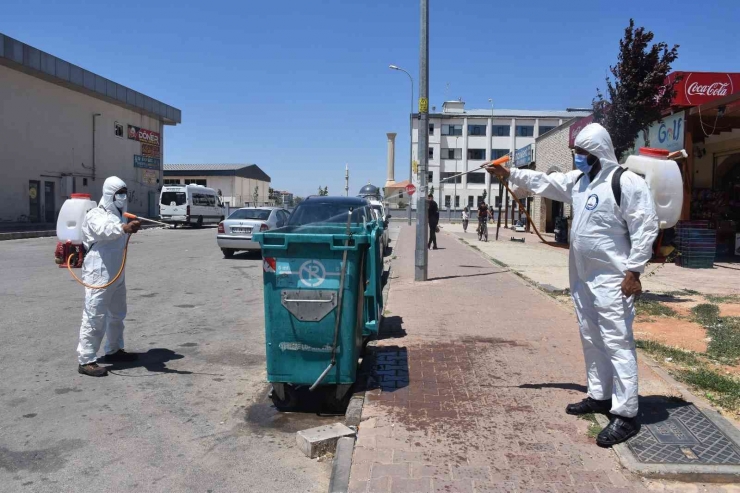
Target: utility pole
346	180
421	254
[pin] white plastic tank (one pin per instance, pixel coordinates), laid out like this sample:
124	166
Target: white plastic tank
69	223
663	177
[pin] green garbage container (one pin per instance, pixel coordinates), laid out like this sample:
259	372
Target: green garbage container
302	269
374	286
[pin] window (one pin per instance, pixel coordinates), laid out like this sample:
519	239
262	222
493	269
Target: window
498	153
431	153
546	128
476	153
431	129
195	182
204	200
501	131
452	130
451	153
171	181
477	178
118	129
477	130
259	214
471	200
84	182
448	200
169	197
457	201
498	201
448	175
525	130
430	177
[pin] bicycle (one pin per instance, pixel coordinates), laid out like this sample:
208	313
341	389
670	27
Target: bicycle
482	229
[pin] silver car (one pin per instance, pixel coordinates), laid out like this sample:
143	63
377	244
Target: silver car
235	232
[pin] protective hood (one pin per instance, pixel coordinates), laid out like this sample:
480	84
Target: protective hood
596	140
110	187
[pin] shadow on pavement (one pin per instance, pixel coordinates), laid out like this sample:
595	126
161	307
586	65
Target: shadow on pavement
442	278
392	328
153	360
564	386
385	368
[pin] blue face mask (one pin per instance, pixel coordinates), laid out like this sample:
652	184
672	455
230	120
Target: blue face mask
582	163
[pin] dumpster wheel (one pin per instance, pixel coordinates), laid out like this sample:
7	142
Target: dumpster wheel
289	397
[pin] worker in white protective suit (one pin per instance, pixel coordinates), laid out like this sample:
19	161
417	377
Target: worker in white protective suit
610	243
104	236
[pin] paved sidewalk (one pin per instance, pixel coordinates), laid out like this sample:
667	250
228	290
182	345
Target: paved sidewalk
547	265
470	386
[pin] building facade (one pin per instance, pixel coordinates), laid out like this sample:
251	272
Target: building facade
65	130
462	140
238	184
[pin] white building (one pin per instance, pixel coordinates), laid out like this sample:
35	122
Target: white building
64	130
238	184
462	140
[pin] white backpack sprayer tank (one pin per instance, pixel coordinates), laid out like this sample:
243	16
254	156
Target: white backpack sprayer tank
663	178
69	229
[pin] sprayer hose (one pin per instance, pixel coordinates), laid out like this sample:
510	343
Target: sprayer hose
521	208
120	271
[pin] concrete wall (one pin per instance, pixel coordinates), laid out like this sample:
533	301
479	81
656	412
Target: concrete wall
46	131
236	190
552	155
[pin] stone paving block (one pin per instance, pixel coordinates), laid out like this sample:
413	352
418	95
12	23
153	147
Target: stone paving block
390	470
318	441
479	473
420	485
441	471
356	486
379	485
400	456
360	470
454	486
495	487
580	477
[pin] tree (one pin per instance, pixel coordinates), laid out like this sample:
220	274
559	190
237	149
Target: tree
639	94
401	204
323	192
485	194
256	194
297	200
431	190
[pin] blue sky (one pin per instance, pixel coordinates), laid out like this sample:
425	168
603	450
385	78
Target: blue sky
303	87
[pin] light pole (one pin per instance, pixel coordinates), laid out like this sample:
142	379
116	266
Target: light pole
411	126
488	194
421	255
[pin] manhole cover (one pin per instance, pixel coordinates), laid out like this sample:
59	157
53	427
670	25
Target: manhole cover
678	433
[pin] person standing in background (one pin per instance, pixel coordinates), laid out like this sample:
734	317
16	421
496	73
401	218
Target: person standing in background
433	215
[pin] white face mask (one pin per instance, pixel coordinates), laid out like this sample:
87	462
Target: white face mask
120	200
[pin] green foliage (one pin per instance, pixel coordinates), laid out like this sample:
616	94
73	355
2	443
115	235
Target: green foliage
638	96
653	308
721	389
323	192
705	314
678	356
733	298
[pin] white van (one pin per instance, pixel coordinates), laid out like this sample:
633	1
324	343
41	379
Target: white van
194	205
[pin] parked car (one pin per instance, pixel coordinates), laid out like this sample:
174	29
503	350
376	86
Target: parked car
384	218
520	226
235	232
333	210
194	205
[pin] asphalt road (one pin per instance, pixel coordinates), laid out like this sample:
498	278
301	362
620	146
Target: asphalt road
192	415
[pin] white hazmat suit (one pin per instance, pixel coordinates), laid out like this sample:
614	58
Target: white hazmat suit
606	241
105	309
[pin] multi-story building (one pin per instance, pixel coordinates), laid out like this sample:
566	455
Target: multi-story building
462	140
238	184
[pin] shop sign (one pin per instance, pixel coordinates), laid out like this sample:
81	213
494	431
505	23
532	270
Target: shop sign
667	134
696	88
577	127
146	162
524	156
150	150
143	135
150	177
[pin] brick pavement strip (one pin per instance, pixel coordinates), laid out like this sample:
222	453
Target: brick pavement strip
468	395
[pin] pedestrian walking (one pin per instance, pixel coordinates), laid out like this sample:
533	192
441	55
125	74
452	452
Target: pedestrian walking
433	217
104	233
465	219
614	227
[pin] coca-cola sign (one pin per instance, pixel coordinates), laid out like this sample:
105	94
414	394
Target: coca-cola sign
696	88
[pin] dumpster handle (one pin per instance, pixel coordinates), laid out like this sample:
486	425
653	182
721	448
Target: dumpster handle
340	299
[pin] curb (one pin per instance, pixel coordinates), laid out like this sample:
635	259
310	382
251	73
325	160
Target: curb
342	463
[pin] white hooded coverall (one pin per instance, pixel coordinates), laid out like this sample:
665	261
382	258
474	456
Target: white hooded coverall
104	309
606	241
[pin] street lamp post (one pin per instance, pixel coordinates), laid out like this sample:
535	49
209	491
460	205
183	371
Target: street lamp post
411	126
488	194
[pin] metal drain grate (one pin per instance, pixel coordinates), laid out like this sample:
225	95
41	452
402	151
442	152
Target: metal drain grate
674	433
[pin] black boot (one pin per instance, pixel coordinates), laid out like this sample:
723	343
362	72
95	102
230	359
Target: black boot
619	430
588	406
92	369
121	356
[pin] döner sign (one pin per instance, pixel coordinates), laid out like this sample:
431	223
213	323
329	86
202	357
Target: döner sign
143	135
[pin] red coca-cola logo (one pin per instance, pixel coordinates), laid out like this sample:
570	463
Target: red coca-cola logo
715	89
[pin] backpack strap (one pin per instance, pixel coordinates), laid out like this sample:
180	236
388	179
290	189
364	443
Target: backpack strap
578	179
617	185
